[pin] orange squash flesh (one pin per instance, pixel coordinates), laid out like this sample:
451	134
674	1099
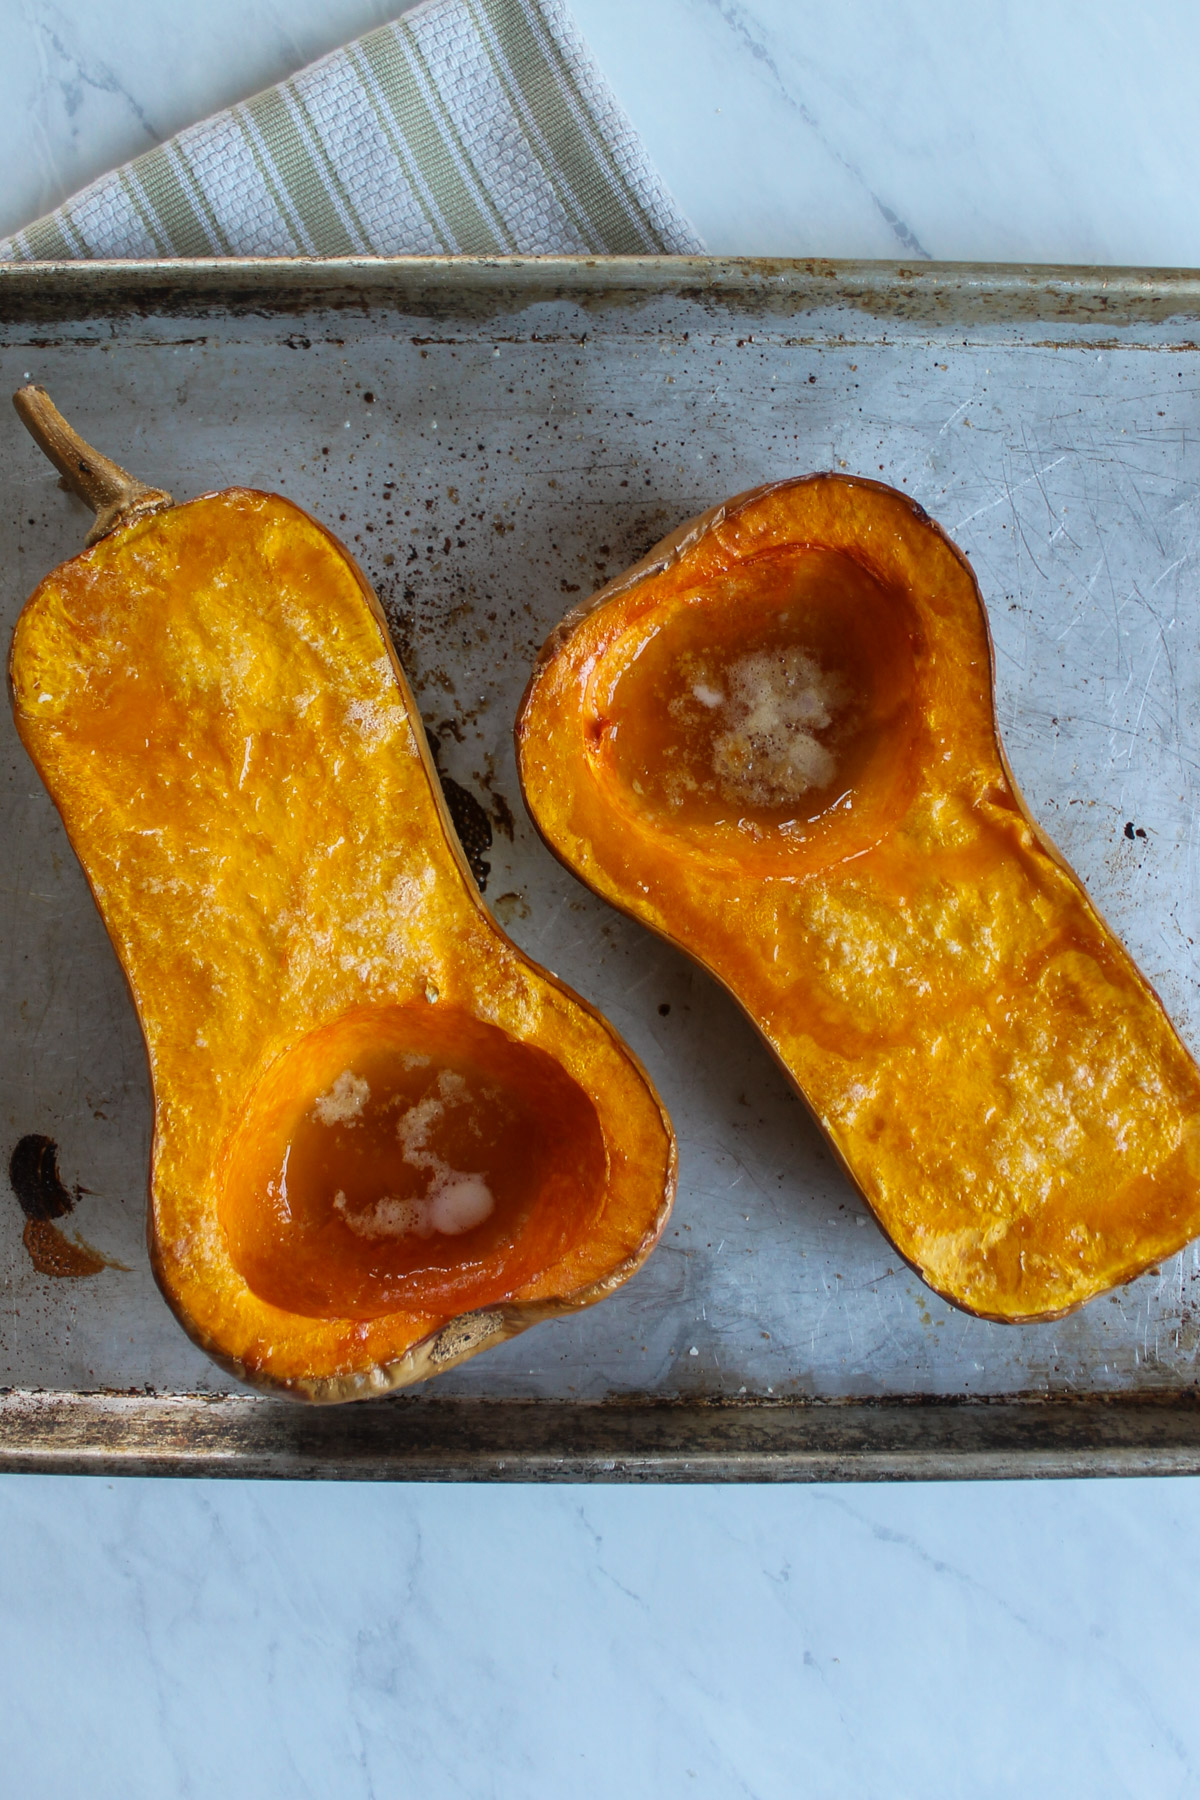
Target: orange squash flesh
384	1139
774	742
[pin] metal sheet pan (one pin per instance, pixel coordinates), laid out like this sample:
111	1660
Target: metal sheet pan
495	439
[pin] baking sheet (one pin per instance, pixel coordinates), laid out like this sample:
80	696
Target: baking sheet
494	441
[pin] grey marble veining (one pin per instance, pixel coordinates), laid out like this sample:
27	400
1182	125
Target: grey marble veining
92	86
745	1644
922	128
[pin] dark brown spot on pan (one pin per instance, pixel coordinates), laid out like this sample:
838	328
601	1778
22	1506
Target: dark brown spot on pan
502	815
473	827
470	821
53	1254
33	1171
44	1197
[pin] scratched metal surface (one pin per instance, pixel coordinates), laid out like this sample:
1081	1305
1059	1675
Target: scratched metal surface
493	447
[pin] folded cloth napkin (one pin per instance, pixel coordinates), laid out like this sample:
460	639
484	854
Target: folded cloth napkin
477	127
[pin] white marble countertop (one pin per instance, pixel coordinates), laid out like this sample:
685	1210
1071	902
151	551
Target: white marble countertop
200	1639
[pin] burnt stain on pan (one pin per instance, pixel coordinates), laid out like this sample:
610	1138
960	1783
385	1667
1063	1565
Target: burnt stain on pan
473	827
502	817
53	1254
33	1172
471	822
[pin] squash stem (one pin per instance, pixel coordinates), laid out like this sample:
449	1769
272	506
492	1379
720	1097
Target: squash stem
114	495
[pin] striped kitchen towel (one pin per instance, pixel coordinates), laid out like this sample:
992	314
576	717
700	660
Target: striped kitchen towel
476	127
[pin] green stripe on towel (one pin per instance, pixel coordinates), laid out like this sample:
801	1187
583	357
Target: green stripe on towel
476	127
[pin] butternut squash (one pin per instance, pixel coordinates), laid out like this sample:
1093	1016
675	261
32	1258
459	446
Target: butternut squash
774	742
383	1137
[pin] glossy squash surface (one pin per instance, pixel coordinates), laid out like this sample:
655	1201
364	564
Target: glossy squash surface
384	1139
774	742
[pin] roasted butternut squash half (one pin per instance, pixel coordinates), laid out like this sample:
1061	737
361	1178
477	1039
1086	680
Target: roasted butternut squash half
383	1138
774	742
